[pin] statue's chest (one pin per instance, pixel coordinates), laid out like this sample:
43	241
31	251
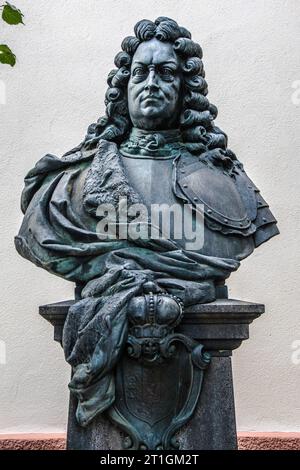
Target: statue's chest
152	179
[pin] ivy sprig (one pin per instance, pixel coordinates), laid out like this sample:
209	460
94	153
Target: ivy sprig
13	16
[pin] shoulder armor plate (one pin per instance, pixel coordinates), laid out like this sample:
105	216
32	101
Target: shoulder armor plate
218	192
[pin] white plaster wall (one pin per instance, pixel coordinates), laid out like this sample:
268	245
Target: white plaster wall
251	55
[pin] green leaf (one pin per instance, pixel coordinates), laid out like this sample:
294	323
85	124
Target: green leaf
11	14
6	55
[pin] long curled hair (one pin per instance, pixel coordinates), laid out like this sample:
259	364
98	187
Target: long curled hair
199	132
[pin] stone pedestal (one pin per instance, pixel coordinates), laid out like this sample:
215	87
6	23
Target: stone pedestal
220	326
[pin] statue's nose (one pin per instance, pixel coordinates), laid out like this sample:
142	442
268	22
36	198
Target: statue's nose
151	83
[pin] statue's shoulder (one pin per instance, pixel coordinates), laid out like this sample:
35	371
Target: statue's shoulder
230	201
49	167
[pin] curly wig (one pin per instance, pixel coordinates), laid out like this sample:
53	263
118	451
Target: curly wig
199	132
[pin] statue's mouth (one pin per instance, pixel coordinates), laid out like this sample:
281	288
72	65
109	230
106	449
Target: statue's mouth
151	98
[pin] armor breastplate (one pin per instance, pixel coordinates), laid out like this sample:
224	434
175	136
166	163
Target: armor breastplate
152	179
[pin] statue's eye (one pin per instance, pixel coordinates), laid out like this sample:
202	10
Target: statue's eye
139	71
166	71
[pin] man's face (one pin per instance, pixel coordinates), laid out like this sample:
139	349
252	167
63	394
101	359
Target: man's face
154	86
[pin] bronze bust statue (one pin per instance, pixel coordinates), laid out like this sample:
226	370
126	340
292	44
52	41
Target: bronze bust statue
156	145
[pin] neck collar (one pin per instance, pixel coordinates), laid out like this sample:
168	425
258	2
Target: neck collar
152	143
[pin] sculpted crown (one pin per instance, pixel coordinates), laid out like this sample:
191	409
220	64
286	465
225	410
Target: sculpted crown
154	315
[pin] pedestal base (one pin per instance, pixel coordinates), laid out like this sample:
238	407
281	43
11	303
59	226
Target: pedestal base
213	425
220	326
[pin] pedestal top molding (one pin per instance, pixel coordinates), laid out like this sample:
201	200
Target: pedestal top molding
220	325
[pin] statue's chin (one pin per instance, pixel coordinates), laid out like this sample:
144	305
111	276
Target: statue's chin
151	111
152	119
